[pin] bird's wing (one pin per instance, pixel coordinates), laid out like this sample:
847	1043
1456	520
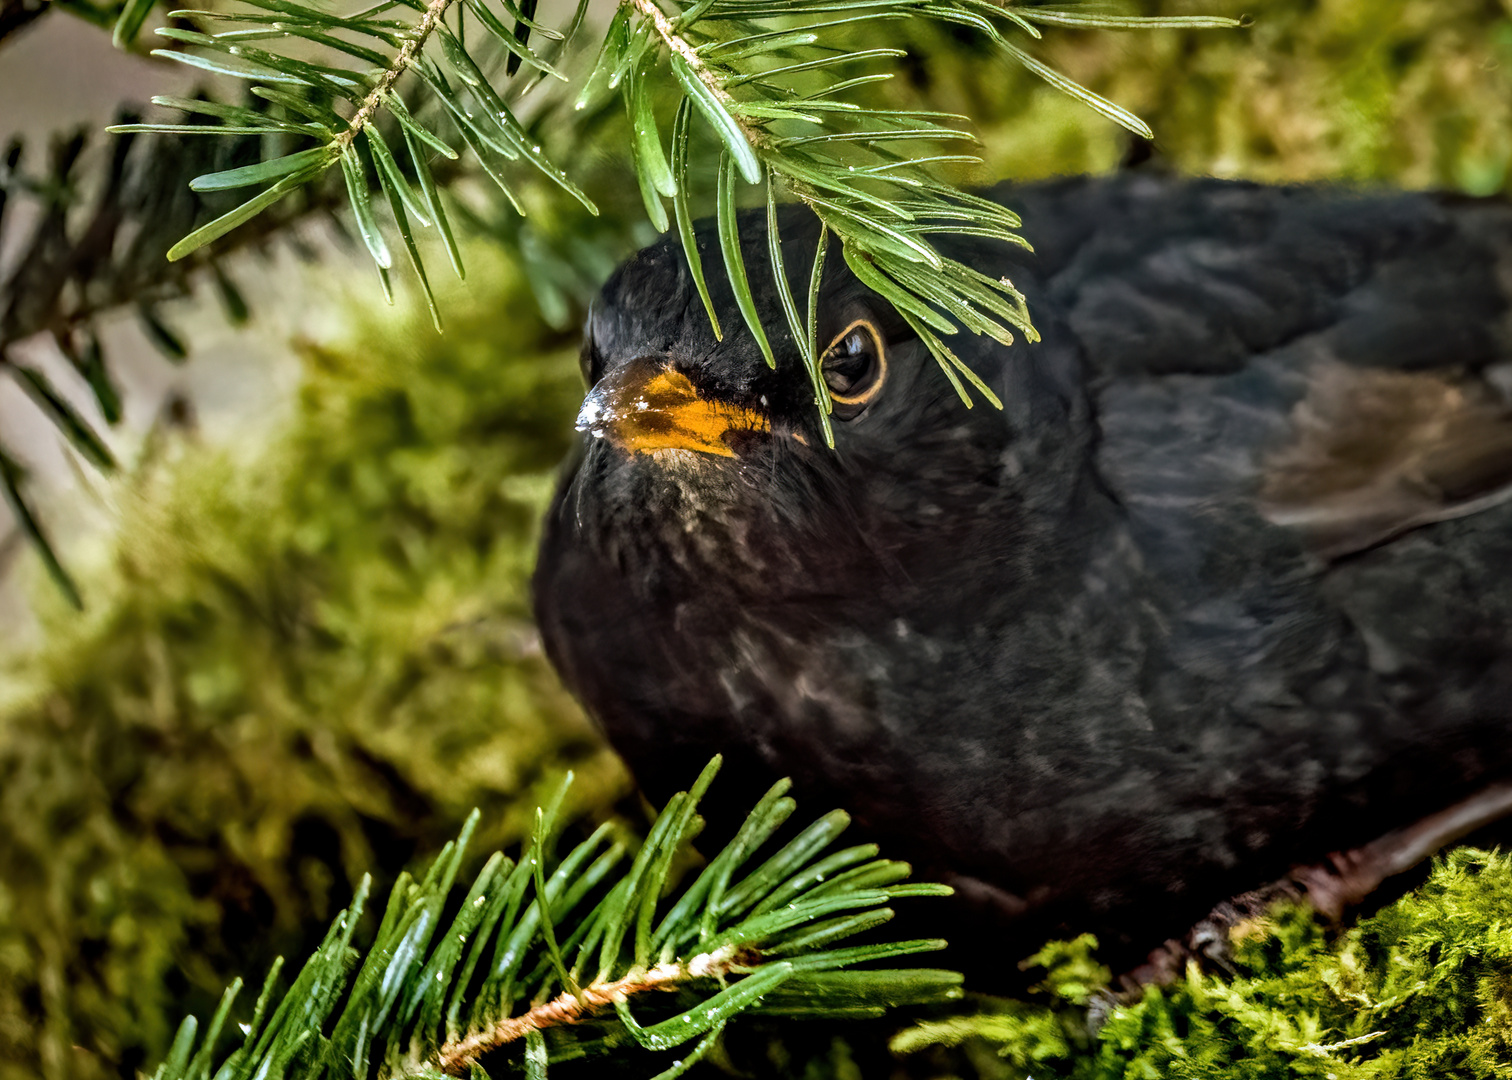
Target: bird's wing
1158	276
1344	356
1375	453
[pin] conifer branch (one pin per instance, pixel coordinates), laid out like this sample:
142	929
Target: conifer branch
532	957
367	111
96	243
760	77
684	49
860	178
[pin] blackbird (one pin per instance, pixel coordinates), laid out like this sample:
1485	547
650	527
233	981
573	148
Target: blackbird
1224	589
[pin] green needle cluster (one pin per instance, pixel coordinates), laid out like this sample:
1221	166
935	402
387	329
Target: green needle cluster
552	959
775	84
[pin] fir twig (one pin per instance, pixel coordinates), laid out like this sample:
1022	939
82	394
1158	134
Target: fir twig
449	76
765	942
408	52
764	80
97	243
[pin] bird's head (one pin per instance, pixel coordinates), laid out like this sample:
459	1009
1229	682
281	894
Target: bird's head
699	451
665	388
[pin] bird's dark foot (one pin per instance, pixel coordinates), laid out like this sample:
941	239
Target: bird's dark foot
1332	887
1207	943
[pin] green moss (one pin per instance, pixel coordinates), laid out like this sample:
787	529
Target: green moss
1415	93
1423	988
306	662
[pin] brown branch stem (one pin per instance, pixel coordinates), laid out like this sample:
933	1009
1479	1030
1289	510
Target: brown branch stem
678	44
567	1008
434	12
754	135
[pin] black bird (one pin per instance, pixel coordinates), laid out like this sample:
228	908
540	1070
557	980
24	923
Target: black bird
1225	589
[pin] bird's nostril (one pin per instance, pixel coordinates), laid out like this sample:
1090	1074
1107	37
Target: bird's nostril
592	416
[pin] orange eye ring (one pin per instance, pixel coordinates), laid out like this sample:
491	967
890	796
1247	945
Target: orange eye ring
869	379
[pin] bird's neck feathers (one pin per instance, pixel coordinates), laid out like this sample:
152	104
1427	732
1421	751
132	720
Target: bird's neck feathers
669	523
790	526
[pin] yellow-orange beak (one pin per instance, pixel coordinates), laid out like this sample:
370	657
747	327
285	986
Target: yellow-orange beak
642	407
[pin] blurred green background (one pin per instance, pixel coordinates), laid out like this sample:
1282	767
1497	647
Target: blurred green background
308	651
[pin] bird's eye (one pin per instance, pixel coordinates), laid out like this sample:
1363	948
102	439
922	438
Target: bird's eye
854	368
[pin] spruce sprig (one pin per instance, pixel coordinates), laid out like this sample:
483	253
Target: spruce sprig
367	53
94	224
773	83
559	959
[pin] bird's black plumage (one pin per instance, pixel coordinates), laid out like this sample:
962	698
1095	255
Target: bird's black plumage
1224	587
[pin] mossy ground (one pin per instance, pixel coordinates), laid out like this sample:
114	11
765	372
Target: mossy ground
309	661
312	658
1422	988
